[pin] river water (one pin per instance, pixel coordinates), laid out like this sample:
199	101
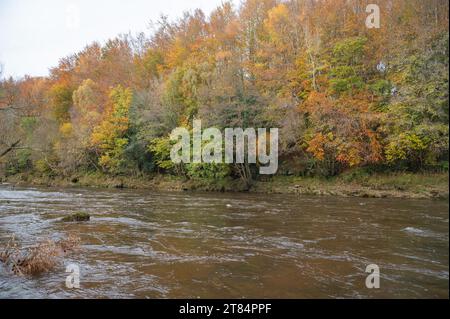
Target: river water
143	244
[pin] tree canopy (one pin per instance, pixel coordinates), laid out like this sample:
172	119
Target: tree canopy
343	95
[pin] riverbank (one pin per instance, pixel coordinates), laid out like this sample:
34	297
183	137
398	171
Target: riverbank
398	185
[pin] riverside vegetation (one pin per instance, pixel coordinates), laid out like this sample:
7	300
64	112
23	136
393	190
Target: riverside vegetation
361	112
39	258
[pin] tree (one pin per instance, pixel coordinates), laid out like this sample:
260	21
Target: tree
342	95
416	122
87	108
60	96
109	138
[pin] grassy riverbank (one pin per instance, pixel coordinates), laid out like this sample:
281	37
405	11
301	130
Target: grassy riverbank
396	185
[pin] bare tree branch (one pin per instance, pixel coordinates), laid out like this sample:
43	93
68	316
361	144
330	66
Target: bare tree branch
9	149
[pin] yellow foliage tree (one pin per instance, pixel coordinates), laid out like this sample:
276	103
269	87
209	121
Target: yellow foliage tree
110	136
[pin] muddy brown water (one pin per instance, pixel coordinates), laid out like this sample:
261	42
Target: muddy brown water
143	244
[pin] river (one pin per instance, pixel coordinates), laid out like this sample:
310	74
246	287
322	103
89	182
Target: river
144	244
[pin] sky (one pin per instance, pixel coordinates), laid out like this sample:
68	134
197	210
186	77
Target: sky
35	34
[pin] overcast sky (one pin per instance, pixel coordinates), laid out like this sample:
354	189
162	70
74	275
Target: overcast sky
35	34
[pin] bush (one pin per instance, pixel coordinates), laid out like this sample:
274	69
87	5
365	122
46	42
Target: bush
42	166
208	170
37	259
356	175
409	150
19	163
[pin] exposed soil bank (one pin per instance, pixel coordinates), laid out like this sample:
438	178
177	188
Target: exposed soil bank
399	185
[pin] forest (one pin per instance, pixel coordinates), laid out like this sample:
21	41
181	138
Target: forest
344	97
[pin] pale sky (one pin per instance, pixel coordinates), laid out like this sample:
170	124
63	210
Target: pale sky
35	34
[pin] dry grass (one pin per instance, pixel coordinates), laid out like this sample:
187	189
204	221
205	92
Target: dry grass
37	259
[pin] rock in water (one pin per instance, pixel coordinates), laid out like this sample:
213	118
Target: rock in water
77	217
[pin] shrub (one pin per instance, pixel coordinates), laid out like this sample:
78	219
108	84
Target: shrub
37	259
408	149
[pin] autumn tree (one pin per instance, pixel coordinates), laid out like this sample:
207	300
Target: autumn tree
109	138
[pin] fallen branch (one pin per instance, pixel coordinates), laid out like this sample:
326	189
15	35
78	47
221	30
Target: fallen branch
9	149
